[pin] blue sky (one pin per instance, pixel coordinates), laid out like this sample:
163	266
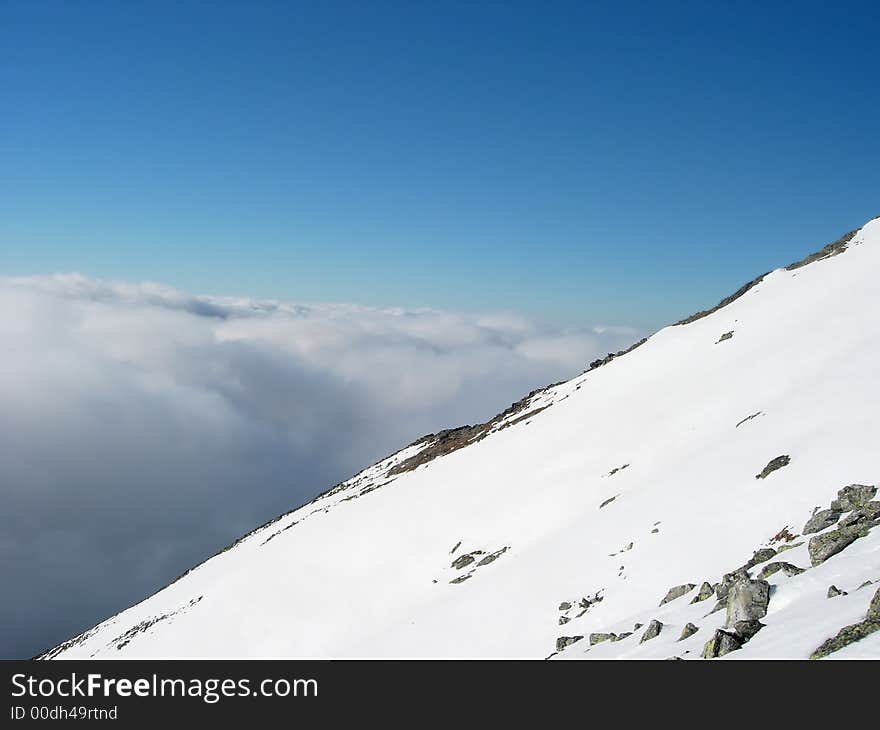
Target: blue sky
577	162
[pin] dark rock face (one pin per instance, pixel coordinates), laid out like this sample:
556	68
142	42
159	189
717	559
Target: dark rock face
760	556
707	590
725	336
564	641
607	501
821	547
747	629
834	591
853	497
773	465
678	592
653	630
819	521
747	601
867	514
688	630
721	643
846	636
774	567
463	561
599	637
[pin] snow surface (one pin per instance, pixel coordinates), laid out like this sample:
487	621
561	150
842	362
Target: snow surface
365	570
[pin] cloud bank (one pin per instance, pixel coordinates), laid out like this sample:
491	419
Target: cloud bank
142	428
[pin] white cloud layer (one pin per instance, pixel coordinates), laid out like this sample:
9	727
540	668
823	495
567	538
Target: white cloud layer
142	428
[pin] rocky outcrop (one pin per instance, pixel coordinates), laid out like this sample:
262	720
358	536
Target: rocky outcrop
747	601
678	592
834	591
773	465
774	567
653	630
721	643
852	633
823	546
707	590
563	641
688	630
853	497
819	521
600	637
867	514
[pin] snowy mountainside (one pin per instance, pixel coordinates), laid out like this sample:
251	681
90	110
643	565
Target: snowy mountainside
558	528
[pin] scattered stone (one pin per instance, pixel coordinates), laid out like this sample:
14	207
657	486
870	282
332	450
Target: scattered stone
457	546
654	531
727	580
747	601
688	630
607	501
637	626
599	637
621	637
868	514
821	520
461	578
874	607
853	497
617	469
564	641
774	567
821	547
760	556
835	591
864	585
564	606
563	620
725	336
747	629
721	643
462	561
678	592
783	548
773	465
706	591
748	418
653	630
492	557
846	636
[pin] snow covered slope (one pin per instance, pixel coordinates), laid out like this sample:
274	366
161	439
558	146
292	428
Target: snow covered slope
578	509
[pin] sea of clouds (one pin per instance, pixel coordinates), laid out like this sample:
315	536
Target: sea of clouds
142	428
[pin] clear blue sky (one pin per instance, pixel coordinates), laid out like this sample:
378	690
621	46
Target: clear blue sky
578	162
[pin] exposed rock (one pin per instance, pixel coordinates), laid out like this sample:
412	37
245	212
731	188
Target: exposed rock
777	565
747	601
853	497
721	643
874	608
835	591
823	546
654	629
747	629
748	418
688	630
621	637
564	606
462	561
832	249
727	580
599	637
847	635
706	591
607	501
617	469
773	465
563	620
678	592
564	641
783	548
760	556
457	546
492	557
868	514
461	578
864	585
637	626
725	336
821	520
